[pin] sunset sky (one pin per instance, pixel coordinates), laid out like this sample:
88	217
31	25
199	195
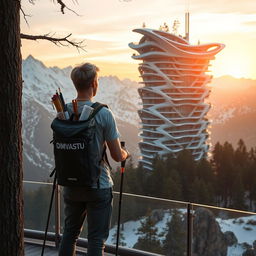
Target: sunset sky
106	26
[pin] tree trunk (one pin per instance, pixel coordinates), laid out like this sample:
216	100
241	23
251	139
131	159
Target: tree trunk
11	197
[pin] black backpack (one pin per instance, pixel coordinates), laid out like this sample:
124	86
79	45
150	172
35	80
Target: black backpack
77	162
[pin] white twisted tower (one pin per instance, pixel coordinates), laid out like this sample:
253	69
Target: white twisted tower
173	116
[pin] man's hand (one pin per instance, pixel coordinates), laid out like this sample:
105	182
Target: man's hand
127	153
117	153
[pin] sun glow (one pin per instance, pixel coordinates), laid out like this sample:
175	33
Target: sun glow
236	69
237	65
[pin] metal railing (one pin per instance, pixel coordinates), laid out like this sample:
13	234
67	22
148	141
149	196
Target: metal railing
123	251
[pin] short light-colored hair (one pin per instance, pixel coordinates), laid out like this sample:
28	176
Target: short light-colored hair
83	76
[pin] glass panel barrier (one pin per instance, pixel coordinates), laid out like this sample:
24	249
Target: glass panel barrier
157	225
37	196
149	224
218	231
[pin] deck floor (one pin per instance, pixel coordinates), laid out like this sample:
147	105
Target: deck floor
34	247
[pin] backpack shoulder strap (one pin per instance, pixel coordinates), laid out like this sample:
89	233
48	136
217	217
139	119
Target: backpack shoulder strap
105	156
97	107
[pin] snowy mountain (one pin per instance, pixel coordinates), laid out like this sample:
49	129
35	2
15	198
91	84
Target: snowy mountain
40	83
233	111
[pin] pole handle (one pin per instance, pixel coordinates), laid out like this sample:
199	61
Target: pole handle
123	162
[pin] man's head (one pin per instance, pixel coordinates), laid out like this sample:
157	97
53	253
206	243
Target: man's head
85	77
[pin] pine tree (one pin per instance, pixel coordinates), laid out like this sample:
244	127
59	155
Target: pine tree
241	154
252	177
204	171
148	239
140	178
217	156
156	178
130	181
175	240
200	192
223	160
186	167
238	198
171	186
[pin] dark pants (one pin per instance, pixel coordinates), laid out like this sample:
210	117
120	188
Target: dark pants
97	206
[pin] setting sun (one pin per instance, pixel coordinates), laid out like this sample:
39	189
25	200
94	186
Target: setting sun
234	65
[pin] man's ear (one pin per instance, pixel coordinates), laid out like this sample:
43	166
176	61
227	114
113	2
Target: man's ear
92	85
95	83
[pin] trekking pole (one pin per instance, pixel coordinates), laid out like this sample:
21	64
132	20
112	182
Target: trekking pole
120	200
49	212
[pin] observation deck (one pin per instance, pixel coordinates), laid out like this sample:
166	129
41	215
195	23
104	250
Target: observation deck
135	211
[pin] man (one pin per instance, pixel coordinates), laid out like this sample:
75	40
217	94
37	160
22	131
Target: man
95	203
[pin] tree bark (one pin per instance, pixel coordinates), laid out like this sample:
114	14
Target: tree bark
11	194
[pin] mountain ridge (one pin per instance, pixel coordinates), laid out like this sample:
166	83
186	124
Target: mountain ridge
41	82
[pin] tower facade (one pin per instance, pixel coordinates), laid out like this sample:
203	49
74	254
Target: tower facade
173	114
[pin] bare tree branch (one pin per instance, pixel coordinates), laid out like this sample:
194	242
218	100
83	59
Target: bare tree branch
63	6
59	41
25	16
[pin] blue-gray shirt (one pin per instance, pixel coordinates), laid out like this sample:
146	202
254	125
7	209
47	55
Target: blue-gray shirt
106	130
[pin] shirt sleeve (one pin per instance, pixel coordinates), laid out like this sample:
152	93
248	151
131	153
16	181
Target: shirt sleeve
110	129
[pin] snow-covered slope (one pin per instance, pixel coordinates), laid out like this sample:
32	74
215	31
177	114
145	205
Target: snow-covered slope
244	228
130	230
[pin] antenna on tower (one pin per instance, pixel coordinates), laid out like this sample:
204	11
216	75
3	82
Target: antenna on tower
187	26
